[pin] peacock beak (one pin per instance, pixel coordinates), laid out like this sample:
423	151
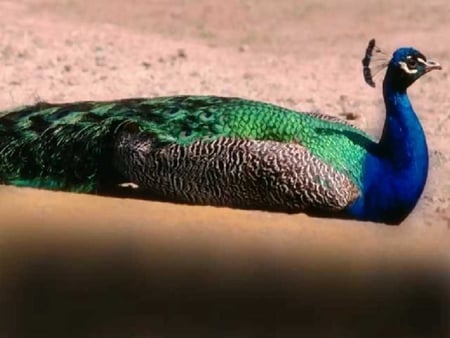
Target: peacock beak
431	65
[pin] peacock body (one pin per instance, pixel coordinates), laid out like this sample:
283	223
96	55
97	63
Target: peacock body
226	151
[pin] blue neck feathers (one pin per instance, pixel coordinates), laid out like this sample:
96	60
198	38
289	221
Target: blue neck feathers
395	170
403	142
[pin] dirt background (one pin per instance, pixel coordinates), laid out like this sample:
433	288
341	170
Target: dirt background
303	55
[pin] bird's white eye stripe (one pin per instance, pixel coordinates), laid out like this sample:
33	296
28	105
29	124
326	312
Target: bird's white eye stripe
404	66
422	61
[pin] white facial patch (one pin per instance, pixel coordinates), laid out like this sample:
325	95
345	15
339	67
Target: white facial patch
422	61
404	66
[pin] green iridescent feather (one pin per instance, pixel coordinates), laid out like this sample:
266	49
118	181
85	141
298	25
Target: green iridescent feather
69	146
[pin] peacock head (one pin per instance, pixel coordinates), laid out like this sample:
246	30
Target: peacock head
405	66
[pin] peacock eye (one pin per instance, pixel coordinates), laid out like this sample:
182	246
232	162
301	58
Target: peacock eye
412	63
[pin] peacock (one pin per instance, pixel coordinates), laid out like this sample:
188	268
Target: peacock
228	151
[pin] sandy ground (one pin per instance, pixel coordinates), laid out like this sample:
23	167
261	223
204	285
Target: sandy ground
300	54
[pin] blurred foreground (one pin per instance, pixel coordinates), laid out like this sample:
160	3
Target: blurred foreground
204	275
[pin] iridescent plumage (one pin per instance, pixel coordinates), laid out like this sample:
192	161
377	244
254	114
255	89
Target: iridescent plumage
194	149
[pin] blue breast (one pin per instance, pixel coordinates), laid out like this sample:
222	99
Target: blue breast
388	195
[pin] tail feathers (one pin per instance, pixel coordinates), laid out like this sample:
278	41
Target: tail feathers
70	157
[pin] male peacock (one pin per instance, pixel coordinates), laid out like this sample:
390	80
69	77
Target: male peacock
227	151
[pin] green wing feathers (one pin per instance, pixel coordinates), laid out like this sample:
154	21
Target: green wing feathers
70	146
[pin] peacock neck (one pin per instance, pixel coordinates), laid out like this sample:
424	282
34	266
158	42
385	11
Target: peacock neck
403	144
396	170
